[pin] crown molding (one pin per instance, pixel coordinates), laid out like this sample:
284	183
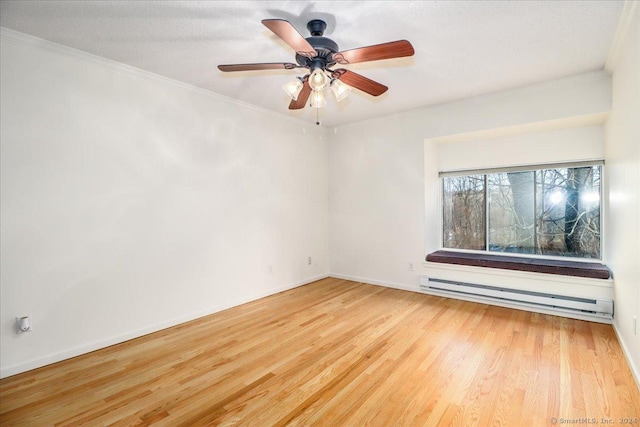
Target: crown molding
16	36
628	14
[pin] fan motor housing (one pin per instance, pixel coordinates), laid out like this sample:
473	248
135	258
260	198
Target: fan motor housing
325	47
322	43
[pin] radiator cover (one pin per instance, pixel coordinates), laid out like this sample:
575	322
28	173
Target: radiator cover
600	310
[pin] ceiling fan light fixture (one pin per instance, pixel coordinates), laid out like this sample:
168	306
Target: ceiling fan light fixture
293	88
317	99
318	54
318	80
339	89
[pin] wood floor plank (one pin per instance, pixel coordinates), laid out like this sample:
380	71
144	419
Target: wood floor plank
337	352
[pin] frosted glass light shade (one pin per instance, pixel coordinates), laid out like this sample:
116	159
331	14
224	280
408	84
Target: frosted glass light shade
317	99
318	80
293	88
339	89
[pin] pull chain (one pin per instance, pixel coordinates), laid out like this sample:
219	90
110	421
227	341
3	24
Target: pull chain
317	116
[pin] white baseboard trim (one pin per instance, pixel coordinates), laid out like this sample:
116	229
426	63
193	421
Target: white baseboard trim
635	371
39	362
367	281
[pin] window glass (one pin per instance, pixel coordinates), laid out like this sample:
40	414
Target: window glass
553	211
512	212
464	212
568	211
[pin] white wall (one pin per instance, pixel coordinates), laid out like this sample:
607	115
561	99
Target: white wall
376	203
131	203
622	152
383	174
532	148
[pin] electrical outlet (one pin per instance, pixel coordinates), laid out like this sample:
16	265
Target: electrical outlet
309	261
410	268
270	269
23	324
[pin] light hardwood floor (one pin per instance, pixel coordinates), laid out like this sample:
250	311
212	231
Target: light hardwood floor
336	353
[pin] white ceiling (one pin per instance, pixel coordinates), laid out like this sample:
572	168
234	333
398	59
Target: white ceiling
463	48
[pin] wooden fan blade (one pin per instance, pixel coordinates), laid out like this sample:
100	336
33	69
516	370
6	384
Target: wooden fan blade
259	66
359	82
290	36
300	103
376	52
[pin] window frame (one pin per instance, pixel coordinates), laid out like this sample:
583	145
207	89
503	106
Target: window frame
523	168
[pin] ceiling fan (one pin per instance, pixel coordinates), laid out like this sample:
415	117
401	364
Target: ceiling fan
319	54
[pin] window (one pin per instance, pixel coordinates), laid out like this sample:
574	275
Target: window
546	210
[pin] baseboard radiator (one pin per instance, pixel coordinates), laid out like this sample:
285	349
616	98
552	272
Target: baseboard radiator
583	308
